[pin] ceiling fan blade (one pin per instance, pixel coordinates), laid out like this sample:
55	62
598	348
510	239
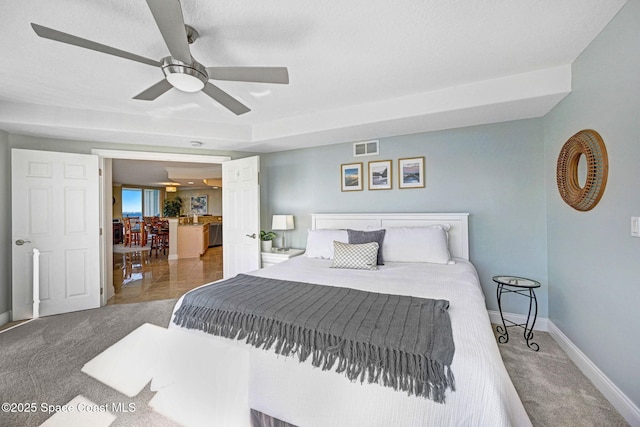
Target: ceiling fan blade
278	75
225	99
168	16
154	91
59	36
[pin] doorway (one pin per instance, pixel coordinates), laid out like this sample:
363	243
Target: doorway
106	158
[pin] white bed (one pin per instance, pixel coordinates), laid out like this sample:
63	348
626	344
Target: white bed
302	395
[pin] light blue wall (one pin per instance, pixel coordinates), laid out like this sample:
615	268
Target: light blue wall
594	263
494	172
5	224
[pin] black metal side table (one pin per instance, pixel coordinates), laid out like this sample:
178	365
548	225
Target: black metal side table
521	286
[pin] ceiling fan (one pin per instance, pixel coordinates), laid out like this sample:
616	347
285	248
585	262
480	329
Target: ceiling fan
180	69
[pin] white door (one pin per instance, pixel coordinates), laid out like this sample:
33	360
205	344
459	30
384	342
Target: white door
240	215
55	209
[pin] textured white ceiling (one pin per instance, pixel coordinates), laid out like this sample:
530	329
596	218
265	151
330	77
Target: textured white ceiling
358	69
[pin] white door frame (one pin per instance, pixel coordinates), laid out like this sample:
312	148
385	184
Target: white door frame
106	183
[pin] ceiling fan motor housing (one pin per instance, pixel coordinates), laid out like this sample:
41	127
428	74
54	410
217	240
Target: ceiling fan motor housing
183	76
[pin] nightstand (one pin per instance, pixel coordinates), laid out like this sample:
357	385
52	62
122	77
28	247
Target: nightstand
276	257
520	286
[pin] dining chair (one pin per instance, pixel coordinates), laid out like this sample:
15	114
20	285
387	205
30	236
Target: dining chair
131	234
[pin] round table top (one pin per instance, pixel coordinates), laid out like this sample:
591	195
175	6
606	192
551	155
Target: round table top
519	282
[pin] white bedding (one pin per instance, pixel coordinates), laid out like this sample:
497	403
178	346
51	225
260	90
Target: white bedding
306	396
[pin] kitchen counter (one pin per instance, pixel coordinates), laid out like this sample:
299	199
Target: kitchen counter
193	240
201	220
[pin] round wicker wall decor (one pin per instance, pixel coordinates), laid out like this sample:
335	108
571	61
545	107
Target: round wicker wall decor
589	144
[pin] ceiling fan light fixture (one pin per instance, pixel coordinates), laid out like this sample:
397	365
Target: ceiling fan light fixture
261	93
185	82
183	76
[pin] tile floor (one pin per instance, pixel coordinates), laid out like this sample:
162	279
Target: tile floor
140	276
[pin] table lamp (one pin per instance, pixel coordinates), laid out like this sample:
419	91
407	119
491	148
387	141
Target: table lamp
284	223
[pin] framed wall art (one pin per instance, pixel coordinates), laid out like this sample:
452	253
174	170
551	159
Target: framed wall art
351	177
380	175
411	172
198	205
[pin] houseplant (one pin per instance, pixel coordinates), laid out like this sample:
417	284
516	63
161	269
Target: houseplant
266	239
172	207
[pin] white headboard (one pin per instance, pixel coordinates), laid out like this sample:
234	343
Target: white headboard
458	234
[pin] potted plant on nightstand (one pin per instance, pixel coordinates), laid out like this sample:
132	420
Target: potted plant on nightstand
266	240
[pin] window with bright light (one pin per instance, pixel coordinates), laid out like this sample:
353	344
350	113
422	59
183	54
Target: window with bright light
138	202
132	202
151	202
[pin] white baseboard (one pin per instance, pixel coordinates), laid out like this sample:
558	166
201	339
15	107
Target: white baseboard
494	316
5	317
629	411
173	257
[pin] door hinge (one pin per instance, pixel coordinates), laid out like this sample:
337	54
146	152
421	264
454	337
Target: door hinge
101	231
99	172
101	291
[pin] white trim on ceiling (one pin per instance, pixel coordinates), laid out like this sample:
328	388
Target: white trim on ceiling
165	157
520	96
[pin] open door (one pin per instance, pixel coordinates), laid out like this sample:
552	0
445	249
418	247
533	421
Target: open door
55	208
240	215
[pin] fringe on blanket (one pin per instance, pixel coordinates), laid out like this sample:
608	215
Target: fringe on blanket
401	370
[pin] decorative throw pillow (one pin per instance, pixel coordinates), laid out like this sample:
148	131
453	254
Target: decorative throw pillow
358	236
360	256
320	242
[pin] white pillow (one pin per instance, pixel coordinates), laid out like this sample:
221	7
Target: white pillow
417	244
320	242
358	256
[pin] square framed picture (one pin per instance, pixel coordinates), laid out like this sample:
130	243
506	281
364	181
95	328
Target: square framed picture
411	173
380	175
198	205
351	174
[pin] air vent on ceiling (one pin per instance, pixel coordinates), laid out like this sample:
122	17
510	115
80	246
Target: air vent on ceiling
366	148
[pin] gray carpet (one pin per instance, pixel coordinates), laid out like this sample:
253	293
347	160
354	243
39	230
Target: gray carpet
40	362
552	388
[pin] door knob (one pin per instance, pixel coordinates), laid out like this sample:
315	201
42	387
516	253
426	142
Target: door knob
21	242
253	236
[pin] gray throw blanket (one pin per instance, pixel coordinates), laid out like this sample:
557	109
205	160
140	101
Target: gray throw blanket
398	341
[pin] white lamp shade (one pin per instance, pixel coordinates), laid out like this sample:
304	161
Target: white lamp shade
282	222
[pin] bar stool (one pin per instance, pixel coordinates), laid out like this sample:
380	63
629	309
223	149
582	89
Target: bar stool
161	238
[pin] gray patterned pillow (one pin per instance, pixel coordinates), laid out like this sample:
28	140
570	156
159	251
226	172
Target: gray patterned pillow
357	236
359	256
